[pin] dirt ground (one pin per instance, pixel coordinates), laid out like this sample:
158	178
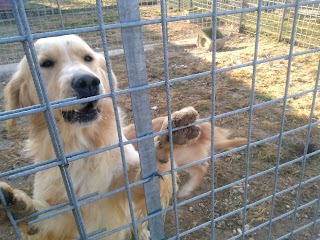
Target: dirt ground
233	90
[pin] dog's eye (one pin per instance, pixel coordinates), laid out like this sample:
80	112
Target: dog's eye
88	58
47	63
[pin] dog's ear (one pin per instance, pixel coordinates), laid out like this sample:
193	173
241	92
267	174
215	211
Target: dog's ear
16	92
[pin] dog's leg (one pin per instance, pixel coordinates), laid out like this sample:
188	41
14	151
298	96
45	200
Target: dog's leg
197	173
180	138
183	136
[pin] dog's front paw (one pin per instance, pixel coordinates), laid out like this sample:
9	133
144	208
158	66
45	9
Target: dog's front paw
19	203
10	196
181	118
184	117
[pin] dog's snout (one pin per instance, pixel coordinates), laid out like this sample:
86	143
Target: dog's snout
86	85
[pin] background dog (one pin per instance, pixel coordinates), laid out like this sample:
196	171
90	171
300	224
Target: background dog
197	149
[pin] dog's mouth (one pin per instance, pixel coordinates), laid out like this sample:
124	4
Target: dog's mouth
90	112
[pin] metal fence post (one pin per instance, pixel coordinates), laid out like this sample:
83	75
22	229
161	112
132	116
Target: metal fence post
190	4
60	14
241	25
214	19
282	22
137	75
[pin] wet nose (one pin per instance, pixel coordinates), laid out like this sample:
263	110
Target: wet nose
86	85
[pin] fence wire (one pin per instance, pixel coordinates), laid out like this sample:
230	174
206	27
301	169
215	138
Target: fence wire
105	26
275	22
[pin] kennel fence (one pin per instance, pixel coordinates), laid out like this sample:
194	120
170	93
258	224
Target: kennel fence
47	16
130	26
62	15
275	22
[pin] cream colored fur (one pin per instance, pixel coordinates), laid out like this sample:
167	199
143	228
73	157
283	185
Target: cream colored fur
99	173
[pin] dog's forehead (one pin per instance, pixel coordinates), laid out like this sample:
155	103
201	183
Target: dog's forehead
63	44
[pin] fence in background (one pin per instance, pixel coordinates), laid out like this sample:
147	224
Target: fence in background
59	15
47	16
276	21
16	28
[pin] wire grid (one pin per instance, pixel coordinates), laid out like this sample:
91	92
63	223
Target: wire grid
46	16
57	15
275	22
63	207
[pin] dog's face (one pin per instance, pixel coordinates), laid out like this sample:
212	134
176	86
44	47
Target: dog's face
70	68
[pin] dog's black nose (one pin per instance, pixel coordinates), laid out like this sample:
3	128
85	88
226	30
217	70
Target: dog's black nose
86	85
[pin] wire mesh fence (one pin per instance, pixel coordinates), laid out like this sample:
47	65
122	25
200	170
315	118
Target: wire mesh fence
276	20
268	189
47	16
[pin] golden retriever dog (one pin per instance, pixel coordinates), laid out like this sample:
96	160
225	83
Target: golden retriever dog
197	149
70	68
